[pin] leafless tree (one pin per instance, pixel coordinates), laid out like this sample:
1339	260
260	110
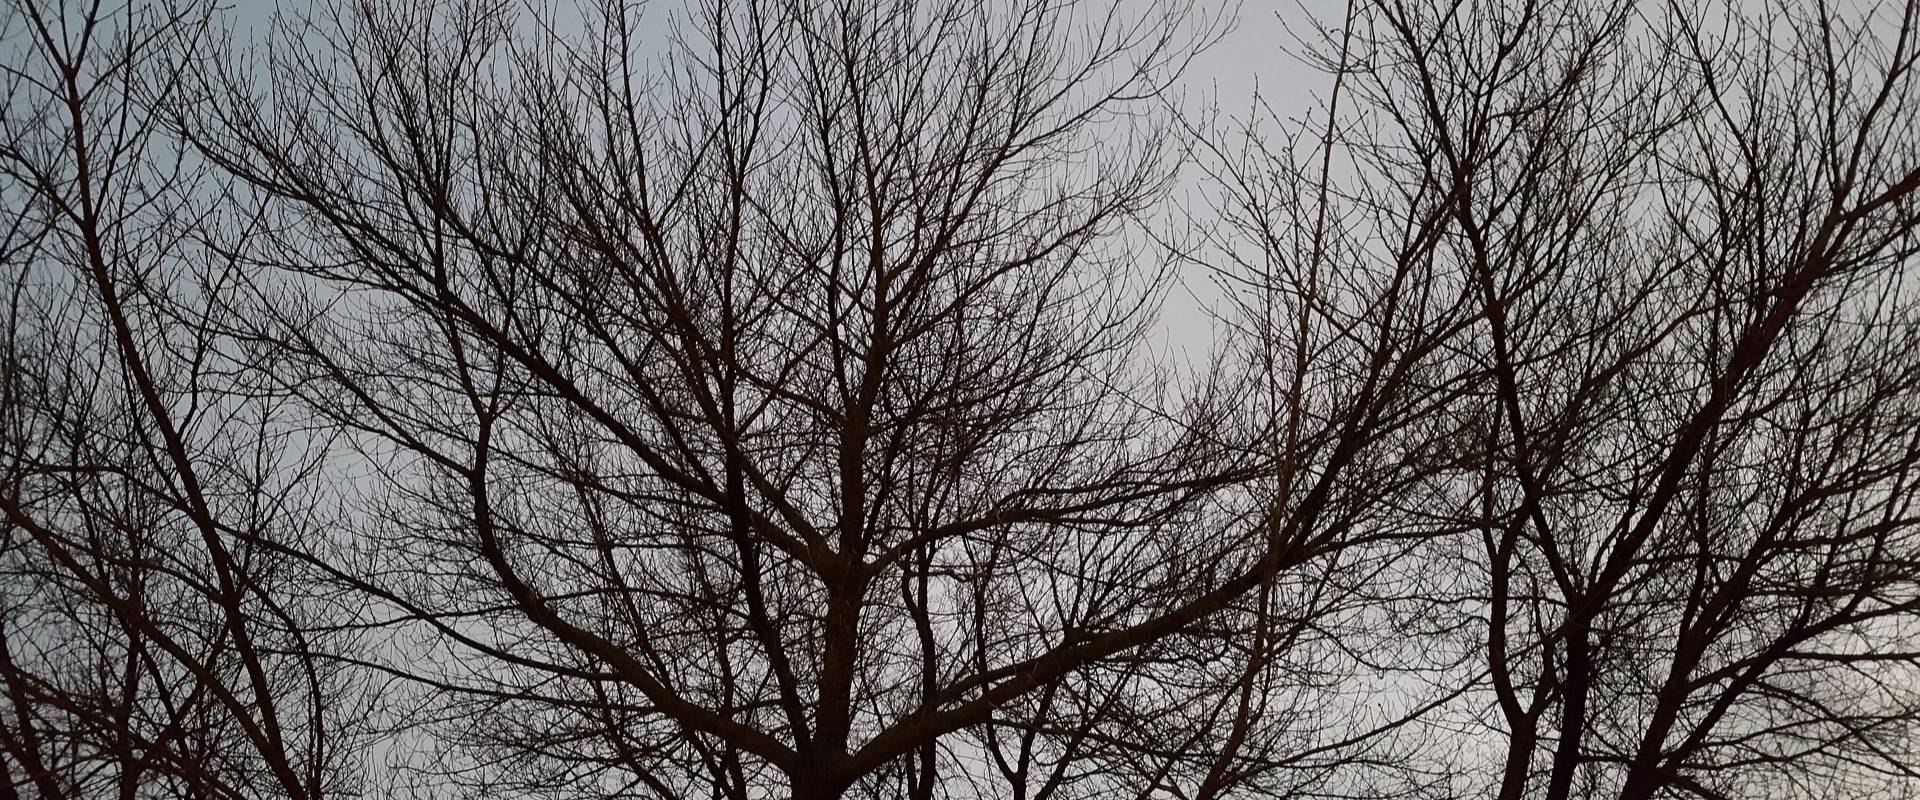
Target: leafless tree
1690	230
761	418
154	638
756	398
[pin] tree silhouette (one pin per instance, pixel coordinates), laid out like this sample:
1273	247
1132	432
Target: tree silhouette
758	399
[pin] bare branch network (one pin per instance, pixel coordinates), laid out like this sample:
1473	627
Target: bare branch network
772	399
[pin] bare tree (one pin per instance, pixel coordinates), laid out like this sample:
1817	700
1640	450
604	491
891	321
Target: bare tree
1690	230
756	398
154	638
763	418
